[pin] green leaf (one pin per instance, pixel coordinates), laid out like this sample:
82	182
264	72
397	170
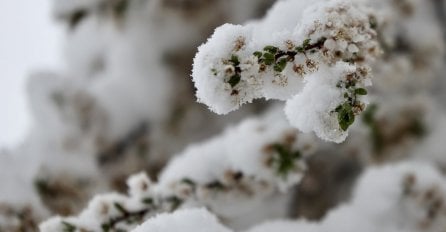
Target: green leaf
258	54
235	60
361	91
280	65
120	208
306	43
188	182
297	155
271	49
339	108
346	117
175	201
148	201
300	49
284	160
216	185
268	58
68	227
105	227
234	80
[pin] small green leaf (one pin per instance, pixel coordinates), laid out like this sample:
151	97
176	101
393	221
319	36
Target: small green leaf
306	43
271	49
361	91
268	58
235	60
300	49
120	208
258	54
297	155
216	185
284	160
280	65
234	80
188	182
68	227
338	109
346	117
105	227
148	201
175	201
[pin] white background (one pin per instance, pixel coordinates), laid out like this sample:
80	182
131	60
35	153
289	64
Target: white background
29	40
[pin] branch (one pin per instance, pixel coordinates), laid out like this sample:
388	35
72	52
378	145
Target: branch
321	67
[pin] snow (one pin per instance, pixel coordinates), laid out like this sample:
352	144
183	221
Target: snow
240	162
197	220
210	91
117	81
312	109
240	148
232	68
380	203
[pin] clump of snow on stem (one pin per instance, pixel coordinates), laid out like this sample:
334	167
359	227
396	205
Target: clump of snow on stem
308	113
243	148
240	63
208	63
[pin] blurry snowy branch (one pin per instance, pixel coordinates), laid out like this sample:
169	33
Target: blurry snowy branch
412	200
227	176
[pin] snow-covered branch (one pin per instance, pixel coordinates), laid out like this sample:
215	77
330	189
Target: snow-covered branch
407	197
317	58
124	105
241	168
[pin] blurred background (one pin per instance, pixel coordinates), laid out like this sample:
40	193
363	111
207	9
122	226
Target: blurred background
30	40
